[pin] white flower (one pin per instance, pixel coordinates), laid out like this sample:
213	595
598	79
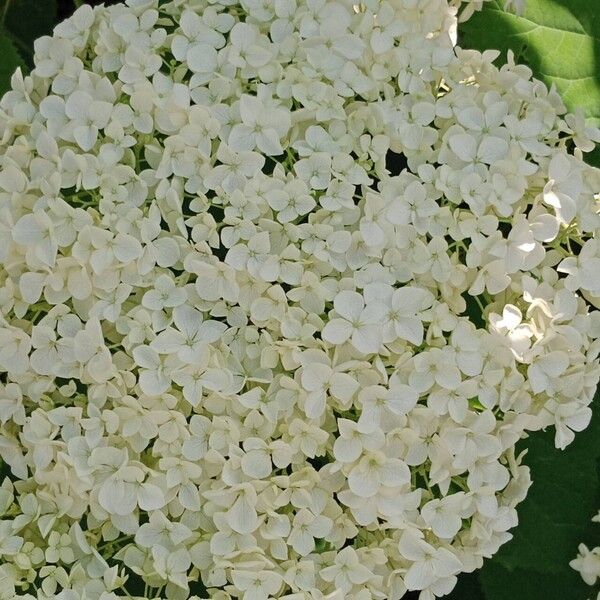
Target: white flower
358	323
584	136
305	528
510	324
488	150
374	470
347	571
291	202
587	563
154	379
122	492
242	516
379	405
315	170
319	379
164	294
248	48
263	125
428	563
562	190
445	516
404	311
9	544
172	566
36	232
545	371
351	442
234	170
159	531
89	114
583	270
191	338
256	585
435	366
569	418
256	257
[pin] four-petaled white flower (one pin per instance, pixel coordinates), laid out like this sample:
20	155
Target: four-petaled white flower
357	323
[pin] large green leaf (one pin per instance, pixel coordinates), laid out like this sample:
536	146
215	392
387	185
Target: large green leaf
468	588
28	20
553	520
558	39
10	59
501	584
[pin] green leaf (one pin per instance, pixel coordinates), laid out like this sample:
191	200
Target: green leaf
10	59
28	20
558	39
556	515
501	584
553	520
467	588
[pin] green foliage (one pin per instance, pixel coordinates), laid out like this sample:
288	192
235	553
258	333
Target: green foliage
21	22
553	520
558	39
9	61
565	495
27	20
467	588
501	584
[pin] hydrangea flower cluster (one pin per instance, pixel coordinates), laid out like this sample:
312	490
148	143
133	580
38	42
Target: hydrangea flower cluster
587	562
283	284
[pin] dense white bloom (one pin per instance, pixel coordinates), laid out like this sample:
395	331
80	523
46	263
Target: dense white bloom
587	561
282	286
359	324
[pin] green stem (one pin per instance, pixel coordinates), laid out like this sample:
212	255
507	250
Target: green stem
7	4
479	303
25	49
